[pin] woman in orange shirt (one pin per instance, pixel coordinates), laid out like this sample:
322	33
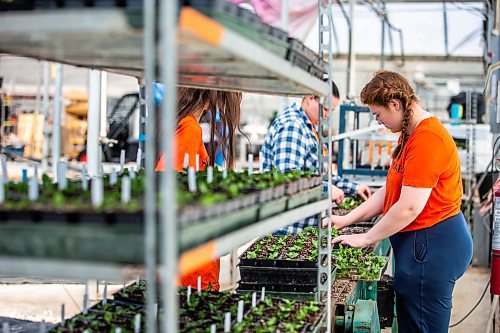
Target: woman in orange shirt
192	105
420	204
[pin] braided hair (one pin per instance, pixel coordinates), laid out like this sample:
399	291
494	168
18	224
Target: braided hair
384	87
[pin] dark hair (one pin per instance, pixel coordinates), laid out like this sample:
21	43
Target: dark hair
192	99
335	89
384	87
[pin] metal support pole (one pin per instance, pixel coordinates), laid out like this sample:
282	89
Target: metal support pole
168	217
94	126
351	66
445	26
150	159
382	46
284	14
56	123
325	135
45	111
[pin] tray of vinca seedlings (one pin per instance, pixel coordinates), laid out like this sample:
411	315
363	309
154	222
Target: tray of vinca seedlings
358	264
101	200
105	316
282	315
59	220
282	263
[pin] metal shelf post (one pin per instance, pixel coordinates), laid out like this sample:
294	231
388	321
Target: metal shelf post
148	127
325	135
168	218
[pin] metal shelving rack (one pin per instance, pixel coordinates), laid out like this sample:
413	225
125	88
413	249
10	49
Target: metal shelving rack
200	53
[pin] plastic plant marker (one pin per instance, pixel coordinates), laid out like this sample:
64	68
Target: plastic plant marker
43	327
197	162
131	173
85	172
118	330
210	175
25	175
105	294
250	164
85	183
5	327
227	322
191	180
33	189
137	323
63	319
86	298
113	177
263	294
62	181
261	162
86	331
2	190
199	284
224	173
125	190
122	159
97	192
188	294
213	328
186	161
138	161
5	176
254	299
239	315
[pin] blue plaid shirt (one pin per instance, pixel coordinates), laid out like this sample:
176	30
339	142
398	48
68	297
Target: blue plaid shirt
290	144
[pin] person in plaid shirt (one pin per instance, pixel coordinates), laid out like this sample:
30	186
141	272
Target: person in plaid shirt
292	144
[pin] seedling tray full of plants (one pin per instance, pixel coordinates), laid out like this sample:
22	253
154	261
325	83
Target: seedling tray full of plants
199	310
101	219
282	263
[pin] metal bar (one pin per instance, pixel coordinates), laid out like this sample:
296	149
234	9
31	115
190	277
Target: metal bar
94	126
284	15
358	132
45	268
351	79
45	111
325	46
147	93
445	26
168	218
382	46
56	123
225	243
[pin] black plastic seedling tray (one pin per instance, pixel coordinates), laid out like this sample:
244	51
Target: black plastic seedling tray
278	276
302	288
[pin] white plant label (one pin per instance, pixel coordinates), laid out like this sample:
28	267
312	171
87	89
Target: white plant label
227	322
125	190
250	164
210	175
122	159
239	316
192	180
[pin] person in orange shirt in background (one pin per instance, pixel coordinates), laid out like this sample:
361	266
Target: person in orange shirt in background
192	105
420	204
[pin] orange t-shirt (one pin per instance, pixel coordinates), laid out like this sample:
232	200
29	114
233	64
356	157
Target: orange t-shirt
188	139
428	160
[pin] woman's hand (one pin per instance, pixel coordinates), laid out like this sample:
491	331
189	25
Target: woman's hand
338	222
360	240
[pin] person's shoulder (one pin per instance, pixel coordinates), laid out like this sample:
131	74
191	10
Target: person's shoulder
290	117
189	125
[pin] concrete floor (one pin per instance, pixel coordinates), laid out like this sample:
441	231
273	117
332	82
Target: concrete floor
35	301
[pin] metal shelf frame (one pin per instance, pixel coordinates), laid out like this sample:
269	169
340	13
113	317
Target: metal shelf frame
210	55
102	39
